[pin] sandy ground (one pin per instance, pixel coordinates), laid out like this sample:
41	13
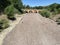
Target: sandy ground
12	25
55	17
34	30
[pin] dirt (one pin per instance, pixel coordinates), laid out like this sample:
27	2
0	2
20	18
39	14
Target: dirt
12	25
34	30
56	17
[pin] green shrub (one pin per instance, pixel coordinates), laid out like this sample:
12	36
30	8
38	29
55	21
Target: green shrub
58	11
45	13
55	12
4	23
10	12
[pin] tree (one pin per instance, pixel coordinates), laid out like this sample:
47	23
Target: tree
17	2
28	7
18	5
3	5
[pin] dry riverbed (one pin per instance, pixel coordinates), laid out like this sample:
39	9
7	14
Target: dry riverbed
34	30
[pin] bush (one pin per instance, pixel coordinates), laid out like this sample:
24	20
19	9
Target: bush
10	12
55	12
45	13
4	23
58	11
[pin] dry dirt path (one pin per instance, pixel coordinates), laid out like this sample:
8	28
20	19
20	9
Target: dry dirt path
34	30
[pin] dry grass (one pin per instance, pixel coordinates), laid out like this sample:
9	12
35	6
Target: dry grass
3	16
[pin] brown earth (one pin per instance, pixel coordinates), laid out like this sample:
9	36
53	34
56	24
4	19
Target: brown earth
56	17
34	30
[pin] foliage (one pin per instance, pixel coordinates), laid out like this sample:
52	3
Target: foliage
18	8
10	12
38	7
3	5
55	12
58	10
54	8
28	7
4	23
45	13
18	5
